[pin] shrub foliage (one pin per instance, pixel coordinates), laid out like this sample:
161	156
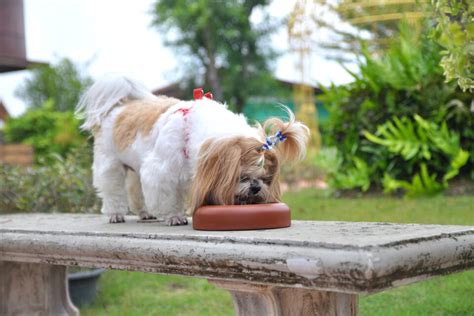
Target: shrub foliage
455	32
404	82
62	185
49	132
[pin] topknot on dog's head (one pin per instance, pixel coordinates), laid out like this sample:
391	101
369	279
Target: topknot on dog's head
295	135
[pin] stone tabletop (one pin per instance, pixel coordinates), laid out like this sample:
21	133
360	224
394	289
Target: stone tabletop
349	257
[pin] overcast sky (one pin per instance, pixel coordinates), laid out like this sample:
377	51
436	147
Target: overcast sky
116	37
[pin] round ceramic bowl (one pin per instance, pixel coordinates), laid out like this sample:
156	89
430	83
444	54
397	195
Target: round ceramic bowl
242	217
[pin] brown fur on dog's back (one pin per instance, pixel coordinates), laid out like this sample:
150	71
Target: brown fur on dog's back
139	116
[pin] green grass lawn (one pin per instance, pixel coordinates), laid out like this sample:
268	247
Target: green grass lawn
134	293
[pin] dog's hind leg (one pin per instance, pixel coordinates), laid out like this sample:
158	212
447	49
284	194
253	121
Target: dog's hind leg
161	190
135	196
109	180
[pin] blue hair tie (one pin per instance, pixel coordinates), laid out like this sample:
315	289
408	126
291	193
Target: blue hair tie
271	141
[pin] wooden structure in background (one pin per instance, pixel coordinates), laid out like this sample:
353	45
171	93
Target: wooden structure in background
345	23
3	112
369	12
13	58
16	154
3	118
304	24
12	37
300	31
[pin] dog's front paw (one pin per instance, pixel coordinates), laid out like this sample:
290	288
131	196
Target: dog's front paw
177	220
144	215
116	218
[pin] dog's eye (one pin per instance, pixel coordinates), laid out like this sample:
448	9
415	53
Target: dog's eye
267	180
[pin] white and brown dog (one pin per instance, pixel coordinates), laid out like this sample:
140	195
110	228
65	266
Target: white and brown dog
153	154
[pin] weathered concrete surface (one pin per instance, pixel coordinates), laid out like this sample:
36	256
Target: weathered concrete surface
34	289
328	256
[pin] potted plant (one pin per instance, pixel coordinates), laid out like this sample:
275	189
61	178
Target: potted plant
83	285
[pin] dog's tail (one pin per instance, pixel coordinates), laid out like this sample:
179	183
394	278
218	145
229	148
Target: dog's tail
296	134
104	95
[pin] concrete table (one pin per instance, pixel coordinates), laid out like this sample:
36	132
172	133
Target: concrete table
309	268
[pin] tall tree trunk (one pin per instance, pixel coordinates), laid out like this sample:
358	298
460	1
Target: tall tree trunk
241	98
211	71
239	103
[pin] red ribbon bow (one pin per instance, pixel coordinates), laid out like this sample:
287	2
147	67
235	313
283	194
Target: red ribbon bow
199	93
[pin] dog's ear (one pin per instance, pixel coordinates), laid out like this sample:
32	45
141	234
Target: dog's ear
217	173
296	133
272	168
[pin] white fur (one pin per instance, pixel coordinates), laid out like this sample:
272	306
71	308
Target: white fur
164	172
104	95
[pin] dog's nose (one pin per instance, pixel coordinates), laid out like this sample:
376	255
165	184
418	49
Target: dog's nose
255	187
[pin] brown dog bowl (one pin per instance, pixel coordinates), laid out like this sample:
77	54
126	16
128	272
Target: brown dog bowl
242	217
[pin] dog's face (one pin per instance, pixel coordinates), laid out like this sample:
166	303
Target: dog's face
258	180
235	171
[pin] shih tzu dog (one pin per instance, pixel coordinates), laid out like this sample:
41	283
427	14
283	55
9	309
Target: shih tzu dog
157	156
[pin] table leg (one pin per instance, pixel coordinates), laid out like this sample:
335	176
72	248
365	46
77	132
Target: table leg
34	289
254	299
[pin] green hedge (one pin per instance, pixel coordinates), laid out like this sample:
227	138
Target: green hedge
61	185
48	131
403	82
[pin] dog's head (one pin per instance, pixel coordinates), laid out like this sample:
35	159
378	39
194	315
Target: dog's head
241	170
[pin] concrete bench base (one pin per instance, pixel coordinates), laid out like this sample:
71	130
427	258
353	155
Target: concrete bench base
34	289
254	299
41	289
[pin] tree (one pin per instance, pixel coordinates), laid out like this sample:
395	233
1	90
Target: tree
229	55
61	84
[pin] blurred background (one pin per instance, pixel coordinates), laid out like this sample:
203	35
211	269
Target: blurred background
385	86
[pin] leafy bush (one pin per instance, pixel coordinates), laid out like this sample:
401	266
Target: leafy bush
64	185
422	144
455	32
48	131
352	176
294	175
404	81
